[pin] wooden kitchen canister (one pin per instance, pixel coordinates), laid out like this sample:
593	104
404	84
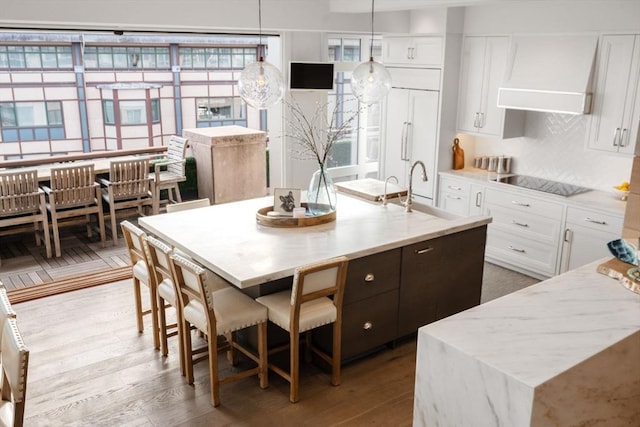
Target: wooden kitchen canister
458	155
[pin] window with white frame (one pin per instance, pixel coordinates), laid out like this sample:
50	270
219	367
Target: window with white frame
31	121
222	111
36	57
131	112
357	155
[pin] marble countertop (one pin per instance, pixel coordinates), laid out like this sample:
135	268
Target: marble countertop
563	352
541	331
594	199
227	239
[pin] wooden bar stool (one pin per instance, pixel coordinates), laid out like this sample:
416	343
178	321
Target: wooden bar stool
308	306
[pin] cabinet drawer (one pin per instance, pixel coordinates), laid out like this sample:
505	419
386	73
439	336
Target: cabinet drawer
594	220
455	186
526	253
523	203
523	224
372	275
366	324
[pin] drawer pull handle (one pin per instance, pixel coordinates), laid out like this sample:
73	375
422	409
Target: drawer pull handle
423	251
595	221
369	277
449	196
521	224
517	249
367	326
526	205
455	188
478	199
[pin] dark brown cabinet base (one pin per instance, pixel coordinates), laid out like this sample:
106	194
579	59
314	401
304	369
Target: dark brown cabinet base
391	294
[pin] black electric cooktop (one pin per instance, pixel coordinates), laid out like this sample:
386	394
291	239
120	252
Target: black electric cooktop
540	184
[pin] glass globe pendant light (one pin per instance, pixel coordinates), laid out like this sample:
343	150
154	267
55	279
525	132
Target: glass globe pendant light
260	83
370	81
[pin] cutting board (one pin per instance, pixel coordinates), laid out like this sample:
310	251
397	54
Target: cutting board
618	270
370	189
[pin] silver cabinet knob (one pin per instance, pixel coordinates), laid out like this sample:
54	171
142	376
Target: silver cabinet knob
370	277
367	326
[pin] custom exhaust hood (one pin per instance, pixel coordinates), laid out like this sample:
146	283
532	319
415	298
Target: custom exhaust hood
550	73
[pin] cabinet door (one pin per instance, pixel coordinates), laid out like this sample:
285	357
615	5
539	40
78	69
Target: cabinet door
583	245
495	62
426	51
476	199
396	138
614	96
586	235
395	50
423	131
421	275
471	83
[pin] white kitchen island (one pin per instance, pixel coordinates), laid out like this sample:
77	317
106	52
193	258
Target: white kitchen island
564	352
405	269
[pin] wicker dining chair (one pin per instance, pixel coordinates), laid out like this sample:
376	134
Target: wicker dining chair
23	207
305	307
73	192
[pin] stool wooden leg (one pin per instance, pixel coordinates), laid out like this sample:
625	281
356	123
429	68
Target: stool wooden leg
294	366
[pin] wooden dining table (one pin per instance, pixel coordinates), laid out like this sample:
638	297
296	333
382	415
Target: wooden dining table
100	160
100	166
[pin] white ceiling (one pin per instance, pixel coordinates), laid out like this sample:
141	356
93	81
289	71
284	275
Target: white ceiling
361	6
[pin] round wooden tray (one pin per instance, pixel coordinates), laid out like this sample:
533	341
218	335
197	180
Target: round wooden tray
274	221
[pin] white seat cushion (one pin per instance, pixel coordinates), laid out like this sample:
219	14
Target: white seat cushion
313	314
233	310
168	292
141	272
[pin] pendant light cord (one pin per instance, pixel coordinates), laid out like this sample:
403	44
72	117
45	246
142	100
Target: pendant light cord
260	29
371	41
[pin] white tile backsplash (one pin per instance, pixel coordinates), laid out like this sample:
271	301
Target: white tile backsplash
554	147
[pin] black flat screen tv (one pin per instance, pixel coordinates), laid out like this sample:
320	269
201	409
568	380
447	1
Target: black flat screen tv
311	76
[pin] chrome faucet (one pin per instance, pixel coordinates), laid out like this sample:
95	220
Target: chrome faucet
409	201
384	196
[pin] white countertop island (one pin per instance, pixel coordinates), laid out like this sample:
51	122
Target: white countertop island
564	352
226	238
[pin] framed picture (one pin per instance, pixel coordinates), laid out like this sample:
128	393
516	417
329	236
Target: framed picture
285	199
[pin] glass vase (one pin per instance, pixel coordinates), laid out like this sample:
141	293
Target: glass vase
321	195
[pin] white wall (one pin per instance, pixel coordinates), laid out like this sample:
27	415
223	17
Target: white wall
554	144
192	15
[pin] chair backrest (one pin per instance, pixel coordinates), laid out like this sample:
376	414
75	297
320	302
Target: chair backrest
192	286
176	152
6	311
136	242
19	193
73	186
15	365
160	259
191	204
323	279
130	178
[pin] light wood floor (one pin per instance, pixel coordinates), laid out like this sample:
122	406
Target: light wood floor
90	367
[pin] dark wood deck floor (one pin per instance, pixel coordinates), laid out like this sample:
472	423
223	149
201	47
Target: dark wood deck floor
26	272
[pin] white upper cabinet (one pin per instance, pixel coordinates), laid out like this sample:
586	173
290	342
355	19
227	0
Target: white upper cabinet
412	51
484	60
616	109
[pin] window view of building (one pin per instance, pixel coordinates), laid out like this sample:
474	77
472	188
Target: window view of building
357	155
98	92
